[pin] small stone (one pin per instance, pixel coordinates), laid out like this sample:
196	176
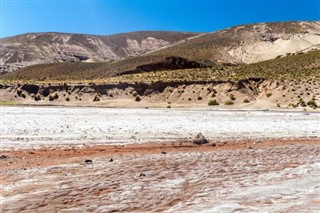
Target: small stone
111	160
142	175
88	161
3	157
200	139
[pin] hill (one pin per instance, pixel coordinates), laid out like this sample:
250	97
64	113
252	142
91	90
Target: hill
127	52
299	66
43	48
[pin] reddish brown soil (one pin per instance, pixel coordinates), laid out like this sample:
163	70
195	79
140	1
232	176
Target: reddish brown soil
26	158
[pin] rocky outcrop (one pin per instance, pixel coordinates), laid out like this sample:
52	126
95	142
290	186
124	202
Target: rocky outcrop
169	63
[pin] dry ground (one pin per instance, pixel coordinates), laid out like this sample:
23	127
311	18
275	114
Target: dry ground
142	160
279	175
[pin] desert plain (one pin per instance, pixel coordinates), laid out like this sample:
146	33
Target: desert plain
155	121
77	159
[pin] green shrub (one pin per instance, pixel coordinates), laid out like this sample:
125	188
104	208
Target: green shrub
229	102
302	103
268	94
51	98
137	98
312	103
292	105
96	98
246	100
232	97
213	102
37	97
19	92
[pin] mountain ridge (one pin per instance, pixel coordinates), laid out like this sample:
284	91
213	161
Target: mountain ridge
37	48
242	44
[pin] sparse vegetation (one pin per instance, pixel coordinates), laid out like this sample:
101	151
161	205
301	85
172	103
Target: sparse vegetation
269	94
213	102
298	67
8	103
137	98
51	98
232	97
312	103
96	98
19	92
37	97
246	100
293	105
56	96
229	102
302	103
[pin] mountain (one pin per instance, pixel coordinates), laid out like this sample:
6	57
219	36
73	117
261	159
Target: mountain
154	51
249	43
43	48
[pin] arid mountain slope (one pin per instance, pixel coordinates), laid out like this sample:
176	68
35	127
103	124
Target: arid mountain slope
127	52
298	66
42	48
249	43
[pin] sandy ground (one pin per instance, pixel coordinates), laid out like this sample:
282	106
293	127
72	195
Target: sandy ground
256	161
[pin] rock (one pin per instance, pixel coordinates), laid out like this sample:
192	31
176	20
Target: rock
142	175
200	139
137	99
3	157
163	153
88	161
111	160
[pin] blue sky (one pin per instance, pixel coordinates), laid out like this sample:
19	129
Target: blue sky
110	17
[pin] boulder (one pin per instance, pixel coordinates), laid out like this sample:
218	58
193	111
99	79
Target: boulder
200	139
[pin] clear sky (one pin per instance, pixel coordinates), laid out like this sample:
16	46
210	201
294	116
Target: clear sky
105	17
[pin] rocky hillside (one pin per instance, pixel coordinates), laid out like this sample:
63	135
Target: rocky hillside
42	48
249	43
129	52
